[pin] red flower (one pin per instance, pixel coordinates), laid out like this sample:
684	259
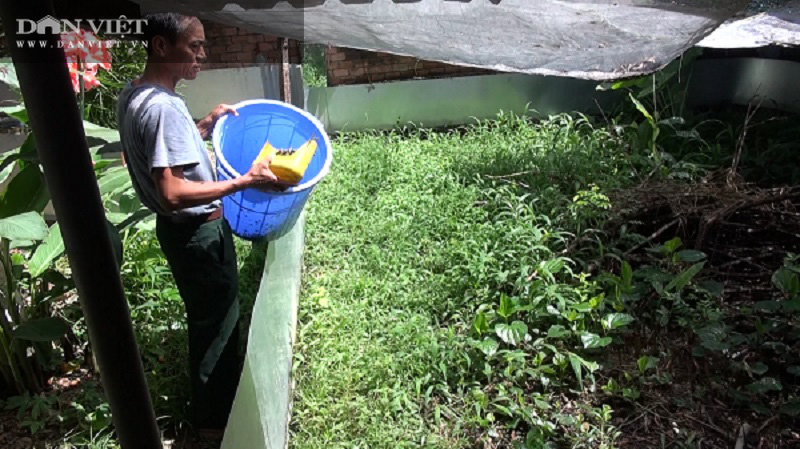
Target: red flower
88	75
85	53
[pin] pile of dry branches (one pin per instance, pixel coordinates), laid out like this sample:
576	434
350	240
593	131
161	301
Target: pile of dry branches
745	230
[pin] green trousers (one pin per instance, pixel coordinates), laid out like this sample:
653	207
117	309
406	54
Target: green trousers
202	257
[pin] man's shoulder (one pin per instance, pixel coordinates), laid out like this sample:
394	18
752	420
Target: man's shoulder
149	97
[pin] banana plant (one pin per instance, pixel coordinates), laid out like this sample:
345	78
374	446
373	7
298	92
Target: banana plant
30	327
27	326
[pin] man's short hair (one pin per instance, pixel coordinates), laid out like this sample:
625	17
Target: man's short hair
168	25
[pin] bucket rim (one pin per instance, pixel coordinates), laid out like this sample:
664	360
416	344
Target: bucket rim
217	134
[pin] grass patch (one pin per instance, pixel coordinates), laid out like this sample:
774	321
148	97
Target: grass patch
491	286
412	237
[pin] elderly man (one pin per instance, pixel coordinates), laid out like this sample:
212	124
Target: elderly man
173	176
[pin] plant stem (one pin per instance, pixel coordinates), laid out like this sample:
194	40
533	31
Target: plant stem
82	88
5	259
12	374
14	346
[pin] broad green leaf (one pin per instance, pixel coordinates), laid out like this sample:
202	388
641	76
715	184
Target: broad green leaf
100	418
554	266
18	112
506	307
654	275
28	151
148	223
672	121
672	245
7	166
591	340
713	287
100	165
129	202
691	255
113	179
575	362
794	370
591	366
557	331
764	385
17	259
43	329
503	409
116	217
686	276
100	132
480	325
642	109
27	226
786	280
51	248
768	306
21	244
791	408
631	393
121	189
541	404
513	333
646	363
713	337
488	346
612	386
25	193
616	320
627	274
583	307
759	368
792	305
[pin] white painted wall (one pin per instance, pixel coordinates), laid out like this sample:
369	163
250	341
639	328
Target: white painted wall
450	101
456	101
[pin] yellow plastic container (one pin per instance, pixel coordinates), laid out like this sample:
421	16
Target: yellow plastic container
290	165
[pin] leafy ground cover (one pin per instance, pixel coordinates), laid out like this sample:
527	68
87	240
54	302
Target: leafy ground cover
520	284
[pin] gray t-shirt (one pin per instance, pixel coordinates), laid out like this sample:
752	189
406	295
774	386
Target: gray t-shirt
157	131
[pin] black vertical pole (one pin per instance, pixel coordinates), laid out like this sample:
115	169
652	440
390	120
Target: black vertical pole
58	129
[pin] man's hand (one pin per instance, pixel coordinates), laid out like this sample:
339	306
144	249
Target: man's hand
262	178
206	125
221	110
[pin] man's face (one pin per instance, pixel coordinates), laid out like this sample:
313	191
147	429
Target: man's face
188	52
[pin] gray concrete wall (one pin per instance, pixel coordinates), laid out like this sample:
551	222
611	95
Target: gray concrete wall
772	83
212	87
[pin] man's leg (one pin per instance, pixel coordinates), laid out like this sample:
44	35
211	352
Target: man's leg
203	262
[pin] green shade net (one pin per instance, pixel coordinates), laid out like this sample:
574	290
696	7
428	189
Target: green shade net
260	415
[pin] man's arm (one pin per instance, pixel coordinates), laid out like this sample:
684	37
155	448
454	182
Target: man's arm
176	192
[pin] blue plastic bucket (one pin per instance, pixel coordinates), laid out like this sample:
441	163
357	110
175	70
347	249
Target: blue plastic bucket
252	213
